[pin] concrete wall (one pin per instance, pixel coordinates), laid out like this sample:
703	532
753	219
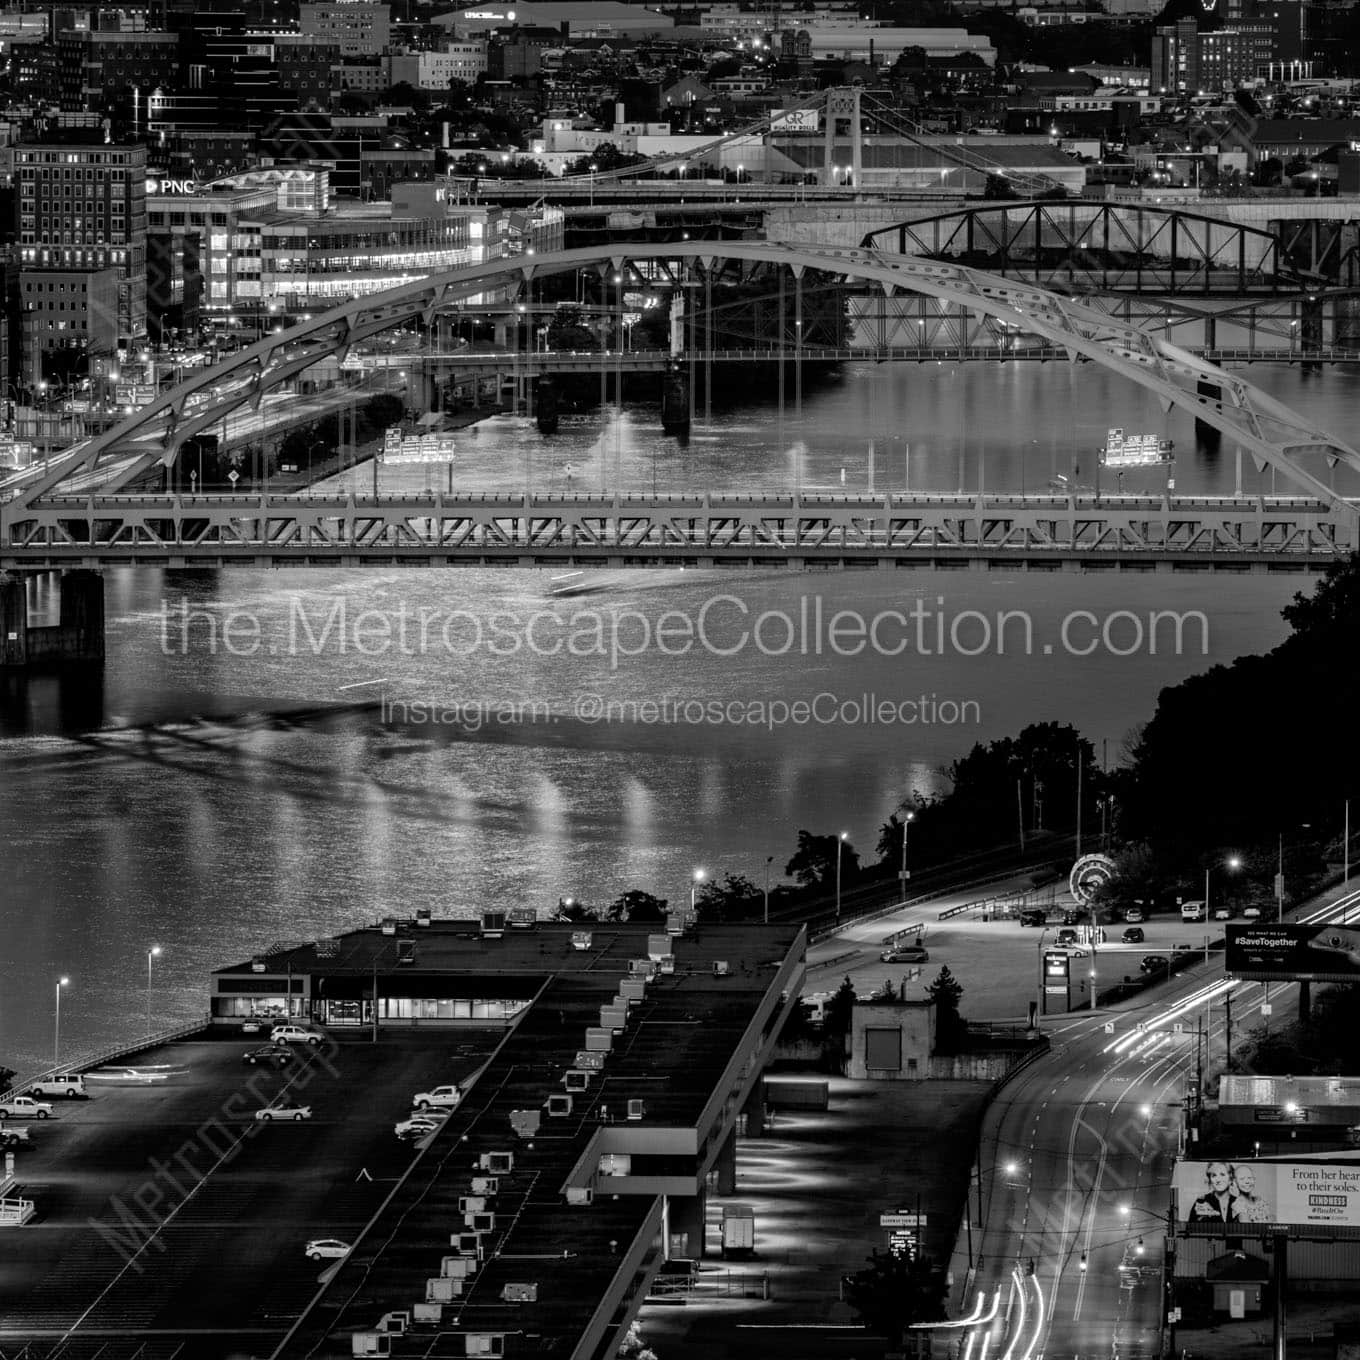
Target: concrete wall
77	639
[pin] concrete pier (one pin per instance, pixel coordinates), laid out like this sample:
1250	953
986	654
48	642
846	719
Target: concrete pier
76	639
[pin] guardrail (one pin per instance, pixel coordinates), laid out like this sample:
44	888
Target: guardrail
87	1060
1007	902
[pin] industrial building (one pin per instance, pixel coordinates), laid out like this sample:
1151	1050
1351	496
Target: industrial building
580	1156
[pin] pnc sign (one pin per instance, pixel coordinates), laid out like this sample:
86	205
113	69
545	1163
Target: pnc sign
171	186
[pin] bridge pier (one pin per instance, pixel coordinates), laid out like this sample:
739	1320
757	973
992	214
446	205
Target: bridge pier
675	401
1207	434
76	639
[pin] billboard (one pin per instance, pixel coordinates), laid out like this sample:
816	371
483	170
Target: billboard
1222	1196
425	448
795	120
1312	953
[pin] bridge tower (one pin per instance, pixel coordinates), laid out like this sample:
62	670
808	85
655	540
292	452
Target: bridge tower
842	108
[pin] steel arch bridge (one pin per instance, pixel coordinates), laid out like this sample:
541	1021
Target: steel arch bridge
1114	247
79	502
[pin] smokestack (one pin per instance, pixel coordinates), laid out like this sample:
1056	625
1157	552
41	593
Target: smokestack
618	114
446	136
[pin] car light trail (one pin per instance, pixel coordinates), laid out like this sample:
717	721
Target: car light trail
1037	1341
1019	1280
971	1320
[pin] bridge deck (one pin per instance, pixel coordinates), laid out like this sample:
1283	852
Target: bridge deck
780	528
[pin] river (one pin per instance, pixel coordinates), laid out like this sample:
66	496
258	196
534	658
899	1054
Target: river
276	755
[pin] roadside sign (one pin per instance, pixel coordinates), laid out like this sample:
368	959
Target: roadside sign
1265	1008
1109	1027
901	1220
233	476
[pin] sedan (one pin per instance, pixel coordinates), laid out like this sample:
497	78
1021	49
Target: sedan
907	954
282	1110
417	1127
326	1248
1154	963
1133	935
269	1053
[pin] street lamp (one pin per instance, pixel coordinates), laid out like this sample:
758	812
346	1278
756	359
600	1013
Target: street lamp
699	876
152	953
907	819
56	1023
769	859
592	184
1232	862
840	845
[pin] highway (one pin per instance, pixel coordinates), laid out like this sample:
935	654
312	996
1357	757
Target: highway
1075	1163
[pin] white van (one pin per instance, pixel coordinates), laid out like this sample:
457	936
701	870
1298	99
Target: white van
1192	911
70	1084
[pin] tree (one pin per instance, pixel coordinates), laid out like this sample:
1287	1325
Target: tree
636	905
814	862
569	909
568	331
895	1291
947	992
735	898
838	1014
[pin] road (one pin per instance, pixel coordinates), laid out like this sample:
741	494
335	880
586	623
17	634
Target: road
1075	1162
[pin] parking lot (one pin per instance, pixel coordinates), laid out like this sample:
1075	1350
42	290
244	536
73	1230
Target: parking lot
167	1206
996	961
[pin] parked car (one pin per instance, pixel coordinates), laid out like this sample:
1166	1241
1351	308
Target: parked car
13	1137
1252	913
1133	935
282	1109
417	1126
269	1053
1222	913
1154	963
1192	911
1134	915
24	1107
294	1034
913	953
1183	948
326	1248
1033	916
71	1085
445	1097
1067	936
252	1026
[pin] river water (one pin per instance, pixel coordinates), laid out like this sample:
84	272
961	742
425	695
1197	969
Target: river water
276	755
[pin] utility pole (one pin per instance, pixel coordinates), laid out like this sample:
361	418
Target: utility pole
1227	1029
1079	765
1020	811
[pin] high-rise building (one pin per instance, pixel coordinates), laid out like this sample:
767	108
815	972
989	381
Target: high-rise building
360	29
80	209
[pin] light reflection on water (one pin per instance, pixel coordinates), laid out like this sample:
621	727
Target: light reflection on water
213	839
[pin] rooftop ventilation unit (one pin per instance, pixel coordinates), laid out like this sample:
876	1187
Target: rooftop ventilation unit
481	1222
493	925
520	1293
471	1204
394	1322
657	945
634	1109
485	1185
523	918
498	1163
613	1018
634	988
467	1244
667	965
442	1289
257	965
599	1039
580	1195
389	925
457	1267
525	1122
580	939
406	951
576	1080
370	1343
642	968
720	968
589	1060
559	1107
485	1343
428	1313
423	917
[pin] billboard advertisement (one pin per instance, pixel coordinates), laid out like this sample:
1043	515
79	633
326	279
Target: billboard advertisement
1312	953
1225	1195
795	120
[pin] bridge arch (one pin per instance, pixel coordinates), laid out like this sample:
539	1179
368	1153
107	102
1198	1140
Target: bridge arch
1270	431
1111	246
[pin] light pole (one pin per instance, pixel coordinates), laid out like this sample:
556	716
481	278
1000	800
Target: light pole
152	953
769	859
1232	862
840	845
592	184
56	1023
1039	971
699	877
904	873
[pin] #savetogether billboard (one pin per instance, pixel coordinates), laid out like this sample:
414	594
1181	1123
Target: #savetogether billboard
1321	953
1226	1194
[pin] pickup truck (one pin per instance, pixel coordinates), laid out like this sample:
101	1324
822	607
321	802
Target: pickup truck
24	1107
442	1097
13	1138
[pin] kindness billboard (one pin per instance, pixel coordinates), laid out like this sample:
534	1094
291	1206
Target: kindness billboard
1313	953
1227	1195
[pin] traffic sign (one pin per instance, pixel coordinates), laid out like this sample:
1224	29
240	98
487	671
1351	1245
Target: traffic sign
233	476
900	1220
1109	1027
